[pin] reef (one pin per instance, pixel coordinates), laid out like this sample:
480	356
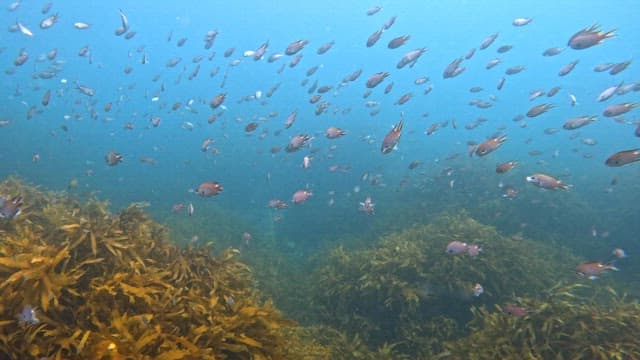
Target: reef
80	282
405	291
569	322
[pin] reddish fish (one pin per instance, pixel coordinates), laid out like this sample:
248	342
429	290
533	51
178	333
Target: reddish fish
490	145
623	158
546	182
300	196
391	139
209	188
593	269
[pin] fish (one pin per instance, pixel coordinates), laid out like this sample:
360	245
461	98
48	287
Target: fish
546	182
515	311
393	136
589	37
334	132
24	30
618	109
10	208
478	290
619	253
301	196
619	67
456	248
325	47
552	51
113	158
539	109
297	142
376	79
81	25
217	100
514	70
374	10
609	92
294	47
277	204
506	166
578	122
209	189
28	315
290	119
367	206
398	41
85	90
488	41
373	38
453	69
565	70
521	21
410	58
592	269
622	158
490	145
48	21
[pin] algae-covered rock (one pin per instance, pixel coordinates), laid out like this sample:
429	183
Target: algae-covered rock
407	289
569	322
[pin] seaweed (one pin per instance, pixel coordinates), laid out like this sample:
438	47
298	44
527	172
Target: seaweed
407	290
107	285
572	321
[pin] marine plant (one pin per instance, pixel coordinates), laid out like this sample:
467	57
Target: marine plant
407	290
573	321
102	285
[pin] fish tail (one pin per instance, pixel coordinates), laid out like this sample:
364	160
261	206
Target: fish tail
609	34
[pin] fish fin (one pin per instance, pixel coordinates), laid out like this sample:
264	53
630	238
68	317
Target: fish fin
593	277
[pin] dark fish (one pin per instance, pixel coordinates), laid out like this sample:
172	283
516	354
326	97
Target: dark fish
391	139
500	83
488	41
492	63
567	68
603	67
388	88
46	98
414	164
387	25
578	122
374	10
453	69
373	38
619	67
294	47
10	208
552	51
589	37
354	76
325	47
217	100
297	142
470	53
539	109
403	99
261	51
554	90
618	109
376	79
113	158
514	70
623	158
637	132
399	41
229	52
410	58
504	48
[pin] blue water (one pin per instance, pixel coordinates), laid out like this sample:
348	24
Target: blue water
244	163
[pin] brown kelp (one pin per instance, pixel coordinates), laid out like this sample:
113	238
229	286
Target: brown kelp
79	282
407	290
569	322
